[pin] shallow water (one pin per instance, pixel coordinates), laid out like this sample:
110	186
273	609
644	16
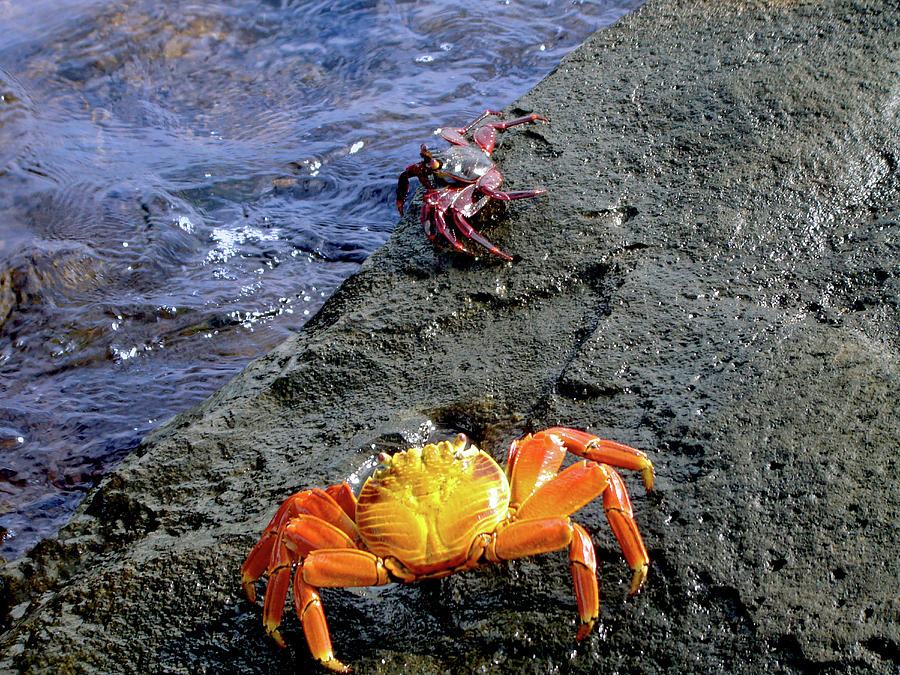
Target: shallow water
183	184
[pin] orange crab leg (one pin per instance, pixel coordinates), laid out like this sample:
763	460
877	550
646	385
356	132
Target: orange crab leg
523	538
583	561
314	502
566	492
530	537
304	533
309	609
531	463
338	567
618	455
344	496
621	519
297	538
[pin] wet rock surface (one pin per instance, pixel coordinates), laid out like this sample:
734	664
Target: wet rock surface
714	277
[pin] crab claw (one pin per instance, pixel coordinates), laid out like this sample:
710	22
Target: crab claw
419	171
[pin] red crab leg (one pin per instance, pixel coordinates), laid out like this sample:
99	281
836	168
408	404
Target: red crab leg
436	203
309	609
441	225
583	562
314	502
618	455
490	181
483	116
486	135
475	235
457	136
403	187
426	219
412	171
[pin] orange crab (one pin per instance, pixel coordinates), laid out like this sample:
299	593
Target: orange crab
433	511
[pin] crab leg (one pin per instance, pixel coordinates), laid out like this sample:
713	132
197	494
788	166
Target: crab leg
538	492
583	562
436	204
340	568
412	171
457	136
447	232
315	627
483	116
617	506
523	538
314	502
486	136
567	492
490	182
530	537
463	205
403	186
296	538
531	463
475	235
576	486
345	498
618	455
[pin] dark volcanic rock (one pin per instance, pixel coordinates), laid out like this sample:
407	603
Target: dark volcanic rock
714	277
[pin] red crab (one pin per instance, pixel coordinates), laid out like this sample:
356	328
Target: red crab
461	180
445	508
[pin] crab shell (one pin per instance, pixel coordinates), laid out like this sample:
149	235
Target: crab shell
460	164
427	505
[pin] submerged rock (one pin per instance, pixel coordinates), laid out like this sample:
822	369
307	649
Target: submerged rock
714	277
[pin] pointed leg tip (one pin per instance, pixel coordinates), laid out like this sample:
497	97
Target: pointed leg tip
249	587
637	581
584	630
275	634
334	665
647	475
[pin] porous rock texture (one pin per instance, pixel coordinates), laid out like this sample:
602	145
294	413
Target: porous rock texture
714	277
